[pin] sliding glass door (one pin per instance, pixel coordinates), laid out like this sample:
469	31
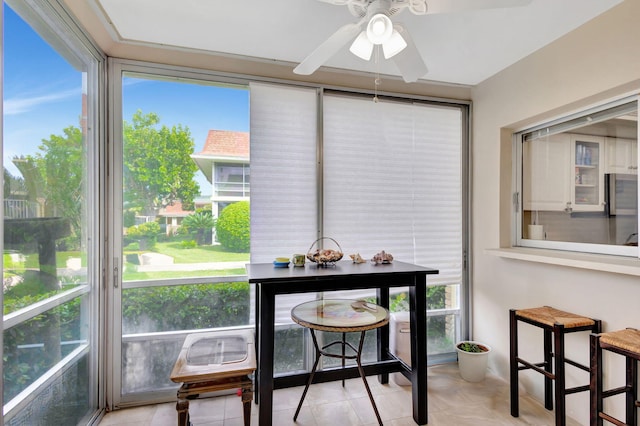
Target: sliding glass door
181	179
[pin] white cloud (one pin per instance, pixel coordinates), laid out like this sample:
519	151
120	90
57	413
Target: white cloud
21	105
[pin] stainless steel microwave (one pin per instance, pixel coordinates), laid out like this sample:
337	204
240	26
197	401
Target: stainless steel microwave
621	194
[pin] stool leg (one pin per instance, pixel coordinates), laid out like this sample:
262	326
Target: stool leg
182	406
632	391
595	384
313	371
513	362
548	367
247	397
558	331
364	378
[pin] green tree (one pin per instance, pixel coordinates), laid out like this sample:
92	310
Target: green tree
199	223
158	169
232	227
14	186
56	174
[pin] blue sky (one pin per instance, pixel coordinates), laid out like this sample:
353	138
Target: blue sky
42	94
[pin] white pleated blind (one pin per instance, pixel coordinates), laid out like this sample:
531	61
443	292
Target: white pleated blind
283	178
438	191
283	171
392	181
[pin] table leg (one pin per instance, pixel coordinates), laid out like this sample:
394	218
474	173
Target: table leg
265	355
313	371
364	377
257	342
418	304
344	339
383	333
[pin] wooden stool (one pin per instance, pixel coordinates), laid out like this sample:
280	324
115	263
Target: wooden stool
215	361
342	316
554	323
626	343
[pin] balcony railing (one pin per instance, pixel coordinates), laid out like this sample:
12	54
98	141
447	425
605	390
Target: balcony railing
232	189
20	209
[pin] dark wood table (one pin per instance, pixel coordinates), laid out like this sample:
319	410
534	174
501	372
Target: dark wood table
345	275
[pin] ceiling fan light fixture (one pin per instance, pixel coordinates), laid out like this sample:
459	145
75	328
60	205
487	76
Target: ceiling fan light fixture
394	45
379	28
362	47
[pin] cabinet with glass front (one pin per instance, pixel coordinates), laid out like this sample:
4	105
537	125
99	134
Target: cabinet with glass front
587	192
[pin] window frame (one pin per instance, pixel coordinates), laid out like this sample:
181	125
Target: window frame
561	124
118	67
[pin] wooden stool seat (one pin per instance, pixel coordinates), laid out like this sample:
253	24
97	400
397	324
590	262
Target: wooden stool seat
622	342
627	339
215	361
555	324
551	316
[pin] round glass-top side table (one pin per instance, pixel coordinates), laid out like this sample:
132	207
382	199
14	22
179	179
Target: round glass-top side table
341	316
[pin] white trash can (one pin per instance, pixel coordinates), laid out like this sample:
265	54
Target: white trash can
400	343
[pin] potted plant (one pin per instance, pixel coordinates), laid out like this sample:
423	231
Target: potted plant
473	358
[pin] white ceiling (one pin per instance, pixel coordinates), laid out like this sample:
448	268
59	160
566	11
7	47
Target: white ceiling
464	48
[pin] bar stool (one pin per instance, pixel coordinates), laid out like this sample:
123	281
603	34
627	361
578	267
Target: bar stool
626	343
341	316
556	324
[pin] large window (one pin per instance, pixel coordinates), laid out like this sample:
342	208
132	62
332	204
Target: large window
383	176
578	182
50	251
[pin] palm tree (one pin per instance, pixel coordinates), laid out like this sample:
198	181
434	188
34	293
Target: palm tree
199	223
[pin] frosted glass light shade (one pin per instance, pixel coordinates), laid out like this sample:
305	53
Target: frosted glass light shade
394	45
362	47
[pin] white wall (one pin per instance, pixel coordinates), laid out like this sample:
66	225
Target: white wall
599	60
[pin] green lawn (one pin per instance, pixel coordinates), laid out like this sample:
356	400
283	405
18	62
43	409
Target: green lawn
200	254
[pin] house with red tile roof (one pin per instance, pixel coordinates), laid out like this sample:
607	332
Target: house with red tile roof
224	161
173	215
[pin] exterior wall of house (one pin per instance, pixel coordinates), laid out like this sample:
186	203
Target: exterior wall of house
593	63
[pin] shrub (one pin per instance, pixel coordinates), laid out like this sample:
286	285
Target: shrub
200	224
232	227
146	234
185	307
187	244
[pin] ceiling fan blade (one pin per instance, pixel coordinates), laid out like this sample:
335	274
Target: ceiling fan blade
327	49
449	6
409	61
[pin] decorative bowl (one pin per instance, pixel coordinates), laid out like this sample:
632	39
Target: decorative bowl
324	256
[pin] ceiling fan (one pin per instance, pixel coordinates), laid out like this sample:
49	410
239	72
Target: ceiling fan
375	29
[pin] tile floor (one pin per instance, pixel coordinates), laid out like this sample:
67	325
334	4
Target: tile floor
452	402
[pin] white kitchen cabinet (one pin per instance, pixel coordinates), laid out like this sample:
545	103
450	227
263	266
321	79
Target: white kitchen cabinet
563	172
621	155
547	173
587	162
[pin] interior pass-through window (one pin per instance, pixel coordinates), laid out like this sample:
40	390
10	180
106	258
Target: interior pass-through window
578	182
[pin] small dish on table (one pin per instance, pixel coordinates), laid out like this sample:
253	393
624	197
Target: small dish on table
281	262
